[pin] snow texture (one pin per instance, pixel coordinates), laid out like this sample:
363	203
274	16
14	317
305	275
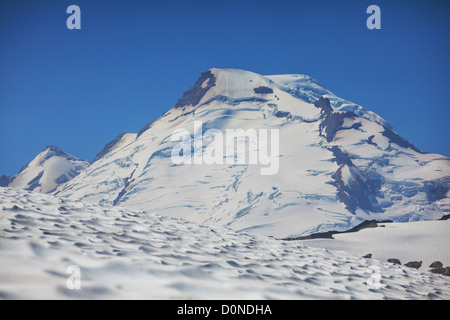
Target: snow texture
131	254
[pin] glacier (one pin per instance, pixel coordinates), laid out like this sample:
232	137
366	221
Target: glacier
137	225
339	164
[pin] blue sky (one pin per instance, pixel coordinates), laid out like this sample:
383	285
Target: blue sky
132	60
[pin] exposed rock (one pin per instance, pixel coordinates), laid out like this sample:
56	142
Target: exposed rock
361	191
394	261
444	271
368	256
369	140
340	156
263	90
436	265
193	96
332	123
329	234
395	138
414	264
282	114
34	183
324	104
127	182
437	270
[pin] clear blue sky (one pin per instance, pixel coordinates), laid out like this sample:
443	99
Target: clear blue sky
132	60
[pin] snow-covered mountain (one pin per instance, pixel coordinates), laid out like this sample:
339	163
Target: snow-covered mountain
47	171
339	164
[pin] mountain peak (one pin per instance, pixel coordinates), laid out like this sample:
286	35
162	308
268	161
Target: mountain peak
55	151
53	148
230	83
46	171
238	84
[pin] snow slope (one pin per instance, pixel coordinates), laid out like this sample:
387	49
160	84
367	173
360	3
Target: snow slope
308	89
339	164
47	171
425	241
123	253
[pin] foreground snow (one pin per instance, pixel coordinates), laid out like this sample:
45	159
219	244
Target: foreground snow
124	253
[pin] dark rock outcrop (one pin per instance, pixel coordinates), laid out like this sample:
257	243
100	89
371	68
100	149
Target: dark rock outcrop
370	140
436	270
436	264
331	120
414	264
394	261
282	114
446	271
368	256
34	183
193	96
324	104
329	234
127	182
263	90
361	191
440	270
395	138
340	156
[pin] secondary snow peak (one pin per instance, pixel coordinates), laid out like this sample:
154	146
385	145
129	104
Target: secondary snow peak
47	170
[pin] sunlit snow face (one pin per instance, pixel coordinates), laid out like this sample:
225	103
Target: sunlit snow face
236	143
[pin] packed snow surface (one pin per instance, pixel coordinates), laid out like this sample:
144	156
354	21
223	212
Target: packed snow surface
425	241
125	253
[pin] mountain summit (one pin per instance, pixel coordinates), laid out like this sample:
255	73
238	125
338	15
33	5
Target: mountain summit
339	164
47	171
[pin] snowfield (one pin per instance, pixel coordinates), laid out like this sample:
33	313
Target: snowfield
425	241
129	254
